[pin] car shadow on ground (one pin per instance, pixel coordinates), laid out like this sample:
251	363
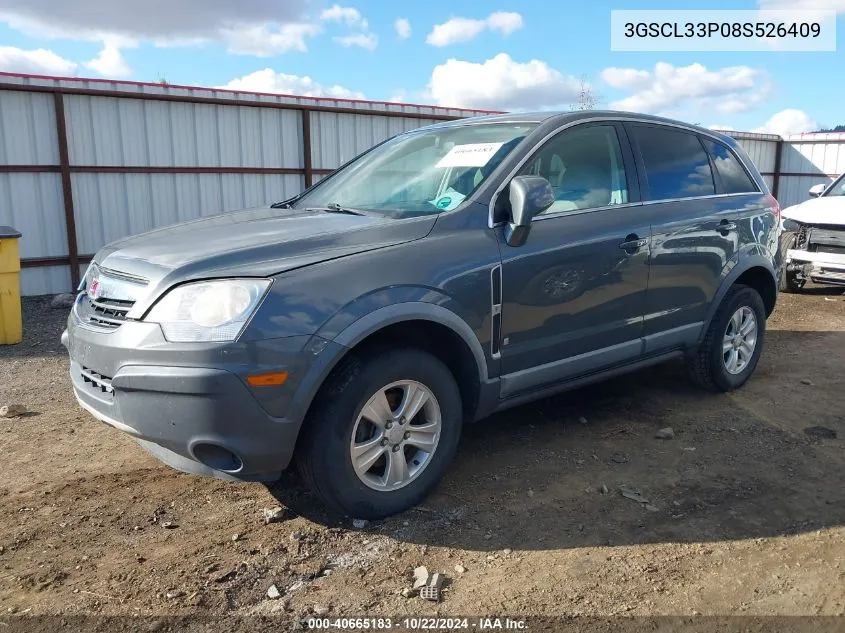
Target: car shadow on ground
826	291
585	468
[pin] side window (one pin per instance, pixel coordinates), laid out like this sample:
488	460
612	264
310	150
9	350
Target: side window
584	166
734	178
676	164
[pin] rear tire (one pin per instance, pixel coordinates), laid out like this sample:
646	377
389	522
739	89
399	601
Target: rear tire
325	452
718	367
789	281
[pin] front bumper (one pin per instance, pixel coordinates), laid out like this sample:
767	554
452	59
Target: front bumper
822	267
189	405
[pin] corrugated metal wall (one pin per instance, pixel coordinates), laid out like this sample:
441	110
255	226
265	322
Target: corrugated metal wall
106	131
810	159
762	150
806	160
337	138
32	202
162	155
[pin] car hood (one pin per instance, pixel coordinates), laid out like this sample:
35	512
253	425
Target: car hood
255	242
825	210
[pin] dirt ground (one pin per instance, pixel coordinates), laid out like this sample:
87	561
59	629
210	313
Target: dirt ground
745	512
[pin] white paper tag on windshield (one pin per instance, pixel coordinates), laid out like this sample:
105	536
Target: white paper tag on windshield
469	155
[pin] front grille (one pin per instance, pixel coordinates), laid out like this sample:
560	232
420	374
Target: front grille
801	238
108	313
96	380
109	296
827	240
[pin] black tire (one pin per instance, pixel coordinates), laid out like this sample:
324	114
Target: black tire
323	455
788	281
707	365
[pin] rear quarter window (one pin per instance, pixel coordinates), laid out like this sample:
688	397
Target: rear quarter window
733	175
676	164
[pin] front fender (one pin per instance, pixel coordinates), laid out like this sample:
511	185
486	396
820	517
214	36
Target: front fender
329	346
416	310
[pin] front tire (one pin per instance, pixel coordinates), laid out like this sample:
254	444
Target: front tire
384	429
733	343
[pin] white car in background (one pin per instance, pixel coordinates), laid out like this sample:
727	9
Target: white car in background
814	238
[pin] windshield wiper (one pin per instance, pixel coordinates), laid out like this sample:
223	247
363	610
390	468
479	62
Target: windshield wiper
334	207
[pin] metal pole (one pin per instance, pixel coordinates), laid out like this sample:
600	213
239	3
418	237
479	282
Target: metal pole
67	189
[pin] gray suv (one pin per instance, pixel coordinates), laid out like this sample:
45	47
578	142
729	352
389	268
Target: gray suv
447	273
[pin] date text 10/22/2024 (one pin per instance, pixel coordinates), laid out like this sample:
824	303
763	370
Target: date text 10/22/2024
418	624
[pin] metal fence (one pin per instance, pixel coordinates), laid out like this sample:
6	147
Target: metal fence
793	164
85	162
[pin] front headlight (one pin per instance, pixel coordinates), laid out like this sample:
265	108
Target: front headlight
208	311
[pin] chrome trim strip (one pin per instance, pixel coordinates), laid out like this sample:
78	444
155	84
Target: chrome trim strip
495	310
114	307
118	288
117	274
98	381
621	119
712	195
557	214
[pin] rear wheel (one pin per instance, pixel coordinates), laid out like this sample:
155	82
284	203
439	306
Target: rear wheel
385	427
733	343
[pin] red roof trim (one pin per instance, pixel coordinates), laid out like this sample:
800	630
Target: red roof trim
259	94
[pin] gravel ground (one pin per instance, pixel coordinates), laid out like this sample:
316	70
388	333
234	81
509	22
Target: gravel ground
745	509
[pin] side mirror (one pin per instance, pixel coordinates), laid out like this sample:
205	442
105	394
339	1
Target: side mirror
817	190
529	195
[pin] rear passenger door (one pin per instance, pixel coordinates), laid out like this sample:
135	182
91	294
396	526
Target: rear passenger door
694	228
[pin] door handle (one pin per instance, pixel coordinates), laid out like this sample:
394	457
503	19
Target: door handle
726	226
633	243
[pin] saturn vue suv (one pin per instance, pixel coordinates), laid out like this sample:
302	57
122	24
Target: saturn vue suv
447	273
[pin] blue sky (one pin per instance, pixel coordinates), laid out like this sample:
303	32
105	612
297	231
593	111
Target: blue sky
509	55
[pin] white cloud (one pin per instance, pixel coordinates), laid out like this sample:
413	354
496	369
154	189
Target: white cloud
249	27
268	80
35	62
465	29
789	121
347	15
455	30
803	5
627	78
501	83
265	41
368	41
718	127
351	17
799	12
403	28
110	62
505	22
669	88
157	20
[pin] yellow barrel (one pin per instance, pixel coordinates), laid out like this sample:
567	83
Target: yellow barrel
11	330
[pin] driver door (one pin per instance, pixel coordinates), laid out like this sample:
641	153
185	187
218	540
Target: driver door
574	293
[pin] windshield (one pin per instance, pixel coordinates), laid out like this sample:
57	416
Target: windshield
419	173
837	188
